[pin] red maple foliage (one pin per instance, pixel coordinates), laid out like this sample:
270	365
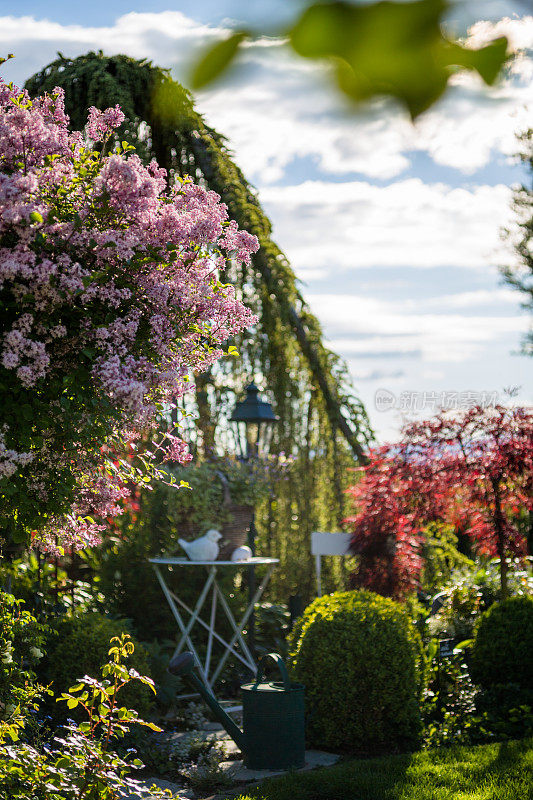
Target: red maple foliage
472	469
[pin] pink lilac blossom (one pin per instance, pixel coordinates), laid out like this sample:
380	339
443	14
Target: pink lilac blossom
10	460
123	301
100	123
176	450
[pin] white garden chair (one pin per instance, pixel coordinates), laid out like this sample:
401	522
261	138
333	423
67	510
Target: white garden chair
327	544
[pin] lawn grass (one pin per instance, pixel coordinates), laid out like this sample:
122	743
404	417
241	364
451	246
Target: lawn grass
486	772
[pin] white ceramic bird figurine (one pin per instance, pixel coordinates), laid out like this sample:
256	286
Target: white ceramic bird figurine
243	553
203	549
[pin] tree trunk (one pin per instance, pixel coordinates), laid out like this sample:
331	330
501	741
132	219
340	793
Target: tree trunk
503	576
205	422
500	539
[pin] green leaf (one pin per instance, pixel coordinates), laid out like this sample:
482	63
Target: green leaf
35	217
487	61
150	725
72	703
389	48
464	645
216	60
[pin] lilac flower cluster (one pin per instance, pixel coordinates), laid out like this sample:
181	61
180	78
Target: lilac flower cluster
111	281
99	123
10	460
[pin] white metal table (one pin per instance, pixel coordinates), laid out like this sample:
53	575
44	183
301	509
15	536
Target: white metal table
207	670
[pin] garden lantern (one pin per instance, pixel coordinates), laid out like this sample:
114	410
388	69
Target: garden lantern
254	420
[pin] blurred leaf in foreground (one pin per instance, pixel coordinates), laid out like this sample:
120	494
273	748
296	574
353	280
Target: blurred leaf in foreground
395	49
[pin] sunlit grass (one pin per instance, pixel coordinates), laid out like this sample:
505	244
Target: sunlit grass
487	772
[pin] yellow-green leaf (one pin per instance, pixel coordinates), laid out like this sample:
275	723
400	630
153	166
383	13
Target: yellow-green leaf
216	59
485	60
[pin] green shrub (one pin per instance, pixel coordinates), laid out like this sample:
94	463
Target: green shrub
473	589
21	649
362	664
503	644
81	645
82	761
505	712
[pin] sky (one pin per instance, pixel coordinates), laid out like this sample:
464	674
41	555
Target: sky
392	228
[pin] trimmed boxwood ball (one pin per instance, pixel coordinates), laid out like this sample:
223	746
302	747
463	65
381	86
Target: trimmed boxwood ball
503	646
362	663
80	647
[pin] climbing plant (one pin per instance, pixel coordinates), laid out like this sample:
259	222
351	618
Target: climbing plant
323	424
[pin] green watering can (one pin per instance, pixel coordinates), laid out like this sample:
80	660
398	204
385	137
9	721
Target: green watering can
273	735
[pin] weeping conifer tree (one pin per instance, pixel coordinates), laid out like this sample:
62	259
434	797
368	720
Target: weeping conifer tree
322	422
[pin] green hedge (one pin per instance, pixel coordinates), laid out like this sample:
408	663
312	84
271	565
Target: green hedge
362	664
80	647
503	645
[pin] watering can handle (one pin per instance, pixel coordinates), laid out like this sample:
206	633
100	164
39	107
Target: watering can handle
261	667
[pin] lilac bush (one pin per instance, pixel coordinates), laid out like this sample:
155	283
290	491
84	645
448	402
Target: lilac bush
111	299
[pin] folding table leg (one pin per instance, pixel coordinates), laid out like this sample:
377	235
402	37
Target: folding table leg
205	625
197	609
181	625
211	631
237	630
237	627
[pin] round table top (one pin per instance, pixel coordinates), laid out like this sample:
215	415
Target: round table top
176	561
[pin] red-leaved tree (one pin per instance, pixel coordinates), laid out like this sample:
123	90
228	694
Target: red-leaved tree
473	469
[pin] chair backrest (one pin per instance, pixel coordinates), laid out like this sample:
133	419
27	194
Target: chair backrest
330	544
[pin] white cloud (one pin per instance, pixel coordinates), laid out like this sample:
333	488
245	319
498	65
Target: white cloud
363	328
169	38
332	226
471	123
468	300
277	108
519	32
298	115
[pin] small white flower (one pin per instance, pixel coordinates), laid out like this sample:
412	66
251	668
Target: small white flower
36	653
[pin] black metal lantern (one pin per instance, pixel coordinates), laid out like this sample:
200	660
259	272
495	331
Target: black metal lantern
254	420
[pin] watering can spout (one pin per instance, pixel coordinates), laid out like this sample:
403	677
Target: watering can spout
183	666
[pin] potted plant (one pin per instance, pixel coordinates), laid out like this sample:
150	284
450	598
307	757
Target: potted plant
220	493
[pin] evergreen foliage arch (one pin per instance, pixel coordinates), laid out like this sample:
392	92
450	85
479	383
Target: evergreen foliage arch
322	421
